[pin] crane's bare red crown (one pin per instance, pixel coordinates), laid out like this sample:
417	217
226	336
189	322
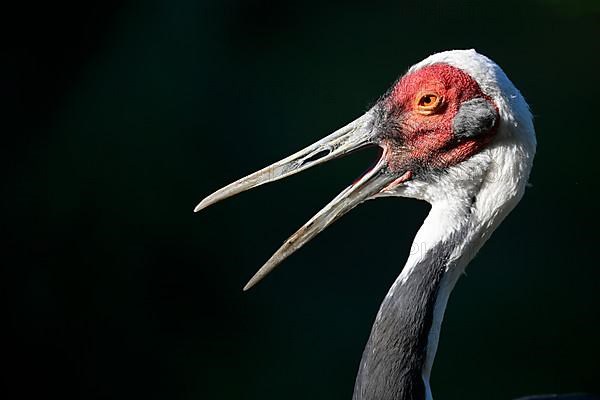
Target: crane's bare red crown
422	107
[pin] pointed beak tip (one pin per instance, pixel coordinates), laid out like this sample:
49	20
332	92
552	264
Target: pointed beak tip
253	281
202	205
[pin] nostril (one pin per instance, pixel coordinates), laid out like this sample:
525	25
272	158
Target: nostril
316	156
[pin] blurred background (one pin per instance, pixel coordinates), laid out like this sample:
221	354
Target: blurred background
118	117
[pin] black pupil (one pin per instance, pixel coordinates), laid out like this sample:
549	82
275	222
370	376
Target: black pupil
426	99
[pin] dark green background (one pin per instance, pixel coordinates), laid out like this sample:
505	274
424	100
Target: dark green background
119	117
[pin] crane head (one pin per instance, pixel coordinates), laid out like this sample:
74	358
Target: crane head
442	113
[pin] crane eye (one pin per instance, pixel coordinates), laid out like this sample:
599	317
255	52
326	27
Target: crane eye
428	103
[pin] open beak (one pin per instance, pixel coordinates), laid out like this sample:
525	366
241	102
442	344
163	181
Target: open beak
355	135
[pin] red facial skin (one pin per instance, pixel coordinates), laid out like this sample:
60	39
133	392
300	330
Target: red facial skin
428	140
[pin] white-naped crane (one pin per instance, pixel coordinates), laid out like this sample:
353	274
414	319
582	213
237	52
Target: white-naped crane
456	133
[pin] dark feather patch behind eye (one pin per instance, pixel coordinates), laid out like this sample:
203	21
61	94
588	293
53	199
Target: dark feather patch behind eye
475	117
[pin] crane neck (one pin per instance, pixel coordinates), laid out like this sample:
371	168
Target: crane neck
397	360
468	202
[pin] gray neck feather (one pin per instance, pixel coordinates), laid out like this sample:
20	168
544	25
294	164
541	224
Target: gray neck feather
394	358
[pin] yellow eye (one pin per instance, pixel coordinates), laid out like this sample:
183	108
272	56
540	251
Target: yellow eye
427	103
